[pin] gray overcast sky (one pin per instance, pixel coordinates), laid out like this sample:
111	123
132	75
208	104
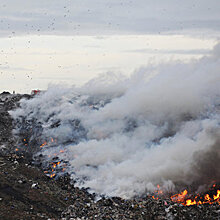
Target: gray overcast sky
49	41
94	17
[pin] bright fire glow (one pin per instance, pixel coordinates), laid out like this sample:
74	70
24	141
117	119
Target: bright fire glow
42	145
197	200
184	197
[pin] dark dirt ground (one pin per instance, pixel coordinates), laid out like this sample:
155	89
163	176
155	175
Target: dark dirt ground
27	193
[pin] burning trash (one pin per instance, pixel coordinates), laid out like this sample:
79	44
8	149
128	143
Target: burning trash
184	198
118	144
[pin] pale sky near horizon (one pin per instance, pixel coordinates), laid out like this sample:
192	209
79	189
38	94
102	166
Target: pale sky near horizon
71	42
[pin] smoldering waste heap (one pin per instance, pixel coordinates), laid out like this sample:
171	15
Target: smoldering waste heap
27	193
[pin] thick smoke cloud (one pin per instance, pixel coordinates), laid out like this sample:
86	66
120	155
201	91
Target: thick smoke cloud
206	162
123	136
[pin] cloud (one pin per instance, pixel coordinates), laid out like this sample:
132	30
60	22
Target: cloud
155	51
14	68
97	17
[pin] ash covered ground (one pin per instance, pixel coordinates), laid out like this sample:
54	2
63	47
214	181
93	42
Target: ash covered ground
27	193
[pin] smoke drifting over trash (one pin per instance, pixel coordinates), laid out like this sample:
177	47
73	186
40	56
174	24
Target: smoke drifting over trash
123	136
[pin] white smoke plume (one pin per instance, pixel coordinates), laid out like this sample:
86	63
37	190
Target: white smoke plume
123	136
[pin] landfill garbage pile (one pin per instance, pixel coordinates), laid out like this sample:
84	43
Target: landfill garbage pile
28	192
25	192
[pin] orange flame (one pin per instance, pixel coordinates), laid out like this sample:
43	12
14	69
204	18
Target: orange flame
183	197
53	168
190	202
197	200
52	175
52	172
217	196
159	191
179	197
45	143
